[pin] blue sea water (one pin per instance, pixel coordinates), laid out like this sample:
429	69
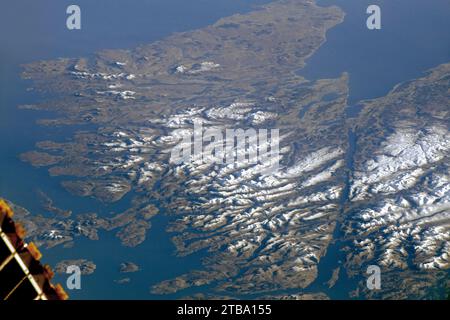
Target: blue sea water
414	38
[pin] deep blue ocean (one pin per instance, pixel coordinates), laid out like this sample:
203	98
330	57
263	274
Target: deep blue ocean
414	38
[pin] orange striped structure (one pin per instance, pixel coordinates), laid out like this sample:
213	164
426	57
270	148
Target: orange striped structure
22	276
